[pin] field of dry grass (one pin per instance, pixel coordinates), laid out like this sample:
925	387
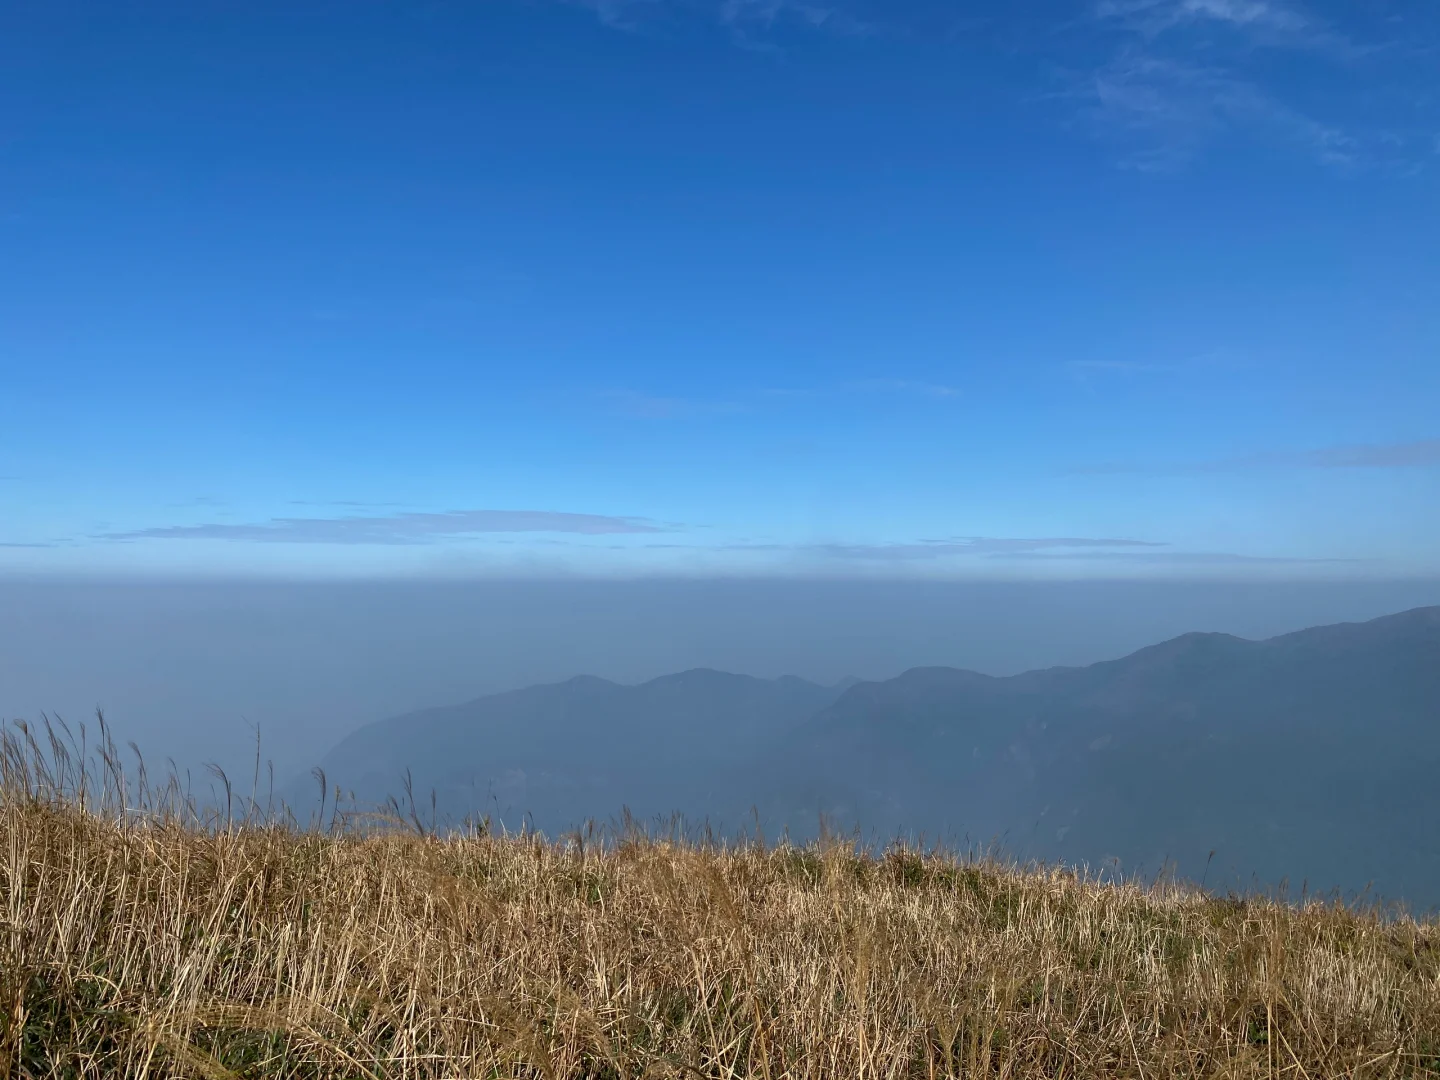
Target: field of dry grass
155	944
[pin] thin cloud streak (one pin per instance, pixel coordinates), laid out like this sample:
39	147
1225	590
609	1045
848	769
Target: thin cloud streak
398	529
1125	366
1374	456
655	407
1015	549
1170	558
1203	363
352	504
1422	453
662	407
986	546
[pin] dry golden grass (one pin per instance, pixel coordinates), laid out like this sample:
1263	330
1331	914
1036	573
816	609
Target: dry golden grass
155	945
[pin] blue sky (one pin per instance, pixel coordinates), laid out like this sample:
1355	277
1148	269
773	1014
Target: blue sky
529	287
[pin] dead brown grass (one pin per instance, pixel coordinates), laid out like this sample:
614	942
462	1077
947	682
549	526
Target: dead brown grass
157	945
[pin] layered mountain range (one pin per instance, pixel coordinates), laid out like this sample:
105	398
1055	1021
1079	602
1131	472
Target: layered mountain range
1312	758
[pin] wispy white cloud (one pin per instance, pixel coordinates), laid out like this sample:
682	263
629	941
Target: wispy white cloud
1248	13
397	529
749	21
622	14
1183	76
746	15
1158	16
1179	76
1170	110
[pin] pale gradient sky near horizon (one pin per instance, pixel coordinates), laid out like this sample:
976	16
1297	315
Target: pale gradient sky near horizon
811	288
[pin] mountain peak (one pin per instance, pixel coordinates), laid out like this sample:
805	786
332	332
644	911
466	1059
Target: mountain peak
700	676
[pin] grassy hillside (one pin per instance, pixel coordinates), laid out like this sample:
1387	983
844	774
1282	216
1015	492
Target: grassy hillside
155	944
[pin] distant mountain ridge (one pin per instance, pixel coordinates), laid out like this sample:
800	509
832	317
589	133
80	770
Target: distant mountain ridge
1311	756
554	755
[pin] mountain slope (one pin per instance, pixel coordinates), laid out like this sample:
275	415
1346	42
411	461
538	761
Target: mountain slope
1304	756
